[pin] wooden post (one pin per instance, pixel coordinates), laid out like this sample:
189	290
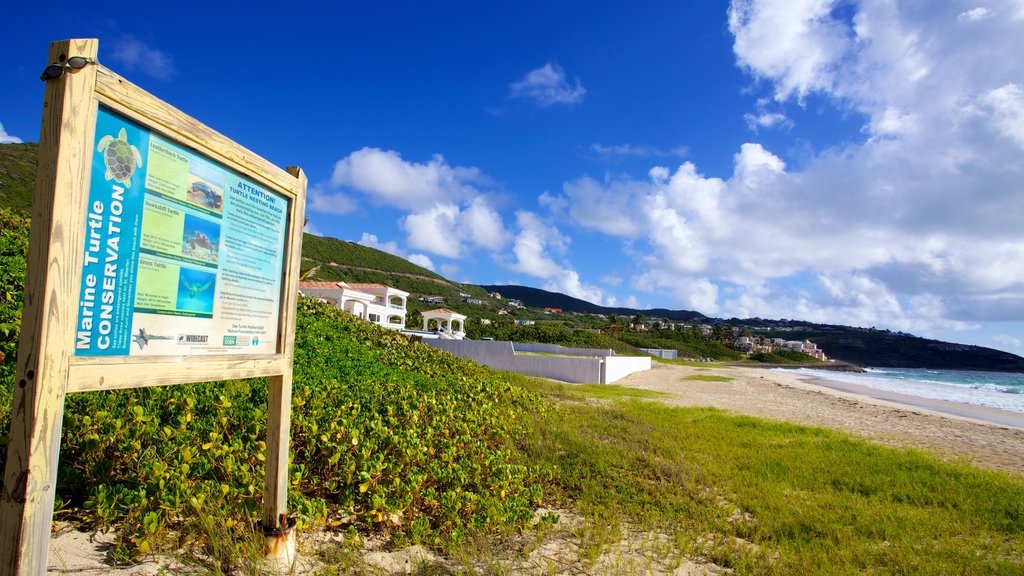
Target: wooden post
49	313
277	527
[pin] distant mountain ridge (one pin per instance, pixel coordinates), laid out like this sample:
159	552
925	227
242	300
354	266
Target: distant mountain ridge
861	346
537	298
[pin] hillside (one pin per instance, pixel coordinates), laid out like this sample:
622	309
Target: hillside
537	298
17	175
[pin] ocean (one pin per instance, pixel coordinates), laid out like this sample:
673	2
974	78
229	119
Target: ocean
1001	390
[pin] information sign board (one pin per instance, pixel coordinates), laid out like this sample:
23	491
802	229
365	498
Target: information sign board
182	255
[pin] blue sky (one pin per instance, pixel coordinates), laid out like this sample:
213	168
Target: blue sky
856	162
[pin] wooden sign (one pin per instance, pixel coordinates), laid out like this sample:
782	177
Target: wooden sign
160	253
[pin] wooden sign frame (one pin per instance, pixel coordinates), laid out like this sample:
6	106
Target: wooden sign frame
47	367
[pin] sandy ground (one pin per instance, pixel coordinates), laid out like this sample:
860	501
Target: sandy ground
989	438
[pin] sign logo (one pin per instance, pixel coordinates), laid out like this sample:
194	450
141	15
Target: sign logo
120	158
193	338
230	341
255	340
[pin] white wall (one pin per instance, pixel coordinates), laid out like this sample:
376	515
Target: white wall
618	367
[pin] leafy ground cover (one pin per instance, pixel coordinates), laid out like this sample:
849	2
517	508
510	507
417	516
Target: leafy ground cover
388	437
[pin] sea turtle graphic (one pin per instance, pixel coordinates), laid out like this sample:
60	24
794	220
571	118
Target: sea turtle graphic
194	289
120	157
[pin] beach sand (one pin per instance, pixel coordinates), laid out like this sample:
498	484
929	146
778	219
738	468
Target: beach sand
987	437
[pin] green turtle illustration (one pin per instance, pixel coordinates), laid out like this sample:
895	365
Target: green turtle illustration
120	157
194	289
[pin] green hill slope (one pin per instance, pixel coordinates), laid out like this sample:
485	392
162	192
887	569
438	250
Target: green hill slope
17	175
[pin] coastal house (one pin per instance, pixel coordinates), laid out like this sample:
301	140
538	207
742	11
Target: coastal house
377	303
807	347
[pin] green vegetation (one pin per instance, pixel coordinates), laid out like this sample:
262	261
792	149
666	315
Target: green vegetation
690	343
553	334
348	254
17	175
765	497
782	357
13	248
709	378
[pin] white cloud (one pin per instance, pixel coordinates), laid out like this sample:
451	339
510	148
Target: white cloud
547	86
764	119
136	56
421	260
446	213
1007	105
536	238
391	247
975	14
449	230
6	138
434	230
638	151
797	44
387	179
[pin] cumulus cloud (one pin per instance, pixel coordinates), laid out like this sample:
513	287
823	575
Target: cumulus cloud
532	246
449	230
136	56
385	178
916	227
547	86
6	138
445	210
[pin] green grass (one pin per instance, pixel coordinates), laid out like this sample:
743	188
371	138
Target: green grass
809	500
709	378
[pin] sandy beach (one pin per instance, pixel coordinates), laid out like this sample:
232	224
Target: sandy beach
987	437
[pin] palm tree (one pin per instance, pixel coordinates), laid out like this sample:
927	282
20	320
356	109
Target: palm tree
638	322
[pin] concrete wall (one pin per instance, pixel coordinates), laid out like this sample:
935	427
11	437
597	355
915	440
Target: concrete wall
618	367
501	356
661	353
556	349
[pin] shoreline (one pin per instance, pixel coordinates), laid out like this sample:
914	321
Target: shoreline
984	414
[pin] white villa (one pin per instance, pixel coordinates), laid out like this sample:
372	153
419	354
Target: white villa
377	303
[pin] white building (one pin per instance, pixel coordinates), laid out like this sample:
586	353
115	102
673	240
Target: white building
450	324
377	303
